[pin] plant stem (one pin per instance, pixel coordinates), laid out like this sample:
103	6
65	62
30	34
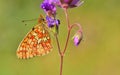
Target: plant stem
67	18
68	36
77	25
61	55
58	43
69	29
61	64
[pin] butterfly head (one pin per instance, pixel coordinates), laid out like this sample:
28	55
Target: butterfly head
41	19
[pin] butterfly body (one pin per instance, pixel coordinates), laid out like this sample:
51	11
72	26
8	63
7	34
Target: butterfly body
36	43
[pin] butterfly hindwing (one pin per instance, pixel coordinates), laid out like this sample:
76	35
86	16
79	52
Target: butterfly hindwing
36	43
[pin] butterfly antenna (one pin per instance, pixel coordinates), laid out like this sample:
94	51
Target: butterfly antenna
29	20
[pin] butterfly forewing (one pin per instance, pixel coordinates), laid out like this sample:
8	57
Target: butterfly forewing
36	43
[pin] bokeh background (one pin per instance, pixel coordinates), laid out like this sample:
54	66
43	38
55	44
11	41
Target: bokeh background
98	53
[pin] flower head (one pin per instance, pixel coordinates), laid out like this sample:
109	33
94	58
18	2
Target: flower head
70	3
52	22
77	38
48	7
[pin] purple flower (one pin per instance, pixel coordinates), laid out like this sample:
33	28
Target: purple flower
77	38
76	41
70	3
52	22
48	7
51	1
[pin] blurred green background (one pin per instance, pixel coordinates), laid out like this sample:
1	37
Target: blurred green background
98	53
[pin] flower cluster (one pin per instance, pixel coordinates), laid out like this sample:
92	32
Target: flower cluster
51	21
49	7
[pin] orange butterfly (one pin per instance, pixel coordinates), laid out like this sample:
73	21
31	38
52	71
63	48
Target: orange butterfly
37	42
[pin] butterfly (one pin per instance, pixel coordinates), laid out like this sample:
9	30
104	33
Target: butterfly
37	42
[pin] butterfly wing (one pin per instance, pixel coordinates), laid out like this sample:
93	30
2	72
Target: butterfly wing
36	43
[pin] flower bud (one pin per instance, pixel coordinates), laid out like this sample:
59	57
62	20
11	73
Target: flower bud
77	38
